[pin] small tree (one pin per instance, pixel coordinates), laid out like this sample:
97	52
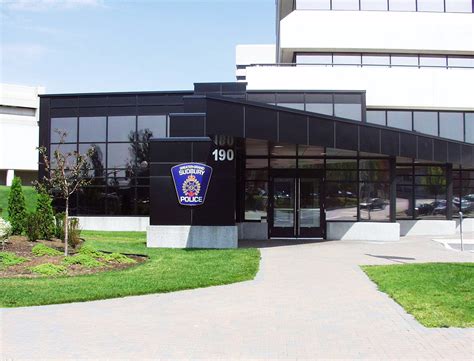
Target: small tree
5	231
17	207
44	210
65	173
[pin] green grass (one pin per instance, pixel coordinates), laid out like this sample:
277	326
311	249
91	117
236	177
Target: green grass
166	270
436	294
30	197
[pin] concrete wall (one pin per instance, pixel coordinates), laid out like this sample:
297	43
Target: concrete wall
253	231
363	231
192	236
427	227
467	225
114	223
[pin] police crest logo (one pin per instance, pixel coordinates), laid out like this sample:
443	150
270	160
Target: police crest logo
191	181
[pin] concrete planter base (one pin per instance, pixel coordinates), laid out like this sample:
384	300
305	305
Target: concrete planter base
253	231
427	227
114	223
363	231
192	236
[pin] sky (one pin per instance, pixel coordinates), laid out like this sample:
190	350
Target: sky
72	46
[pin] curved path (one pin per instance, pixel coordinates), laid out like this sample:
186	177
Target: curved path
308	301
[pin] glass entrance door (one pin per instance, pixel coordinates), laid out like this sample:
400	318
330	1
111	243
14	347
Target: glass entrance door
296	207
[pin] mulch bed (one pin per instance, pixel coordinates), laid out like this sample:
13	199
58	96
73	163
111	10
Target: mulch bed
22	247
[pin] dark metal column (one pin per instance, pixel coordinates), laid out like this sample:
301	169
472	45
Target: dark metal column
393	189
449	191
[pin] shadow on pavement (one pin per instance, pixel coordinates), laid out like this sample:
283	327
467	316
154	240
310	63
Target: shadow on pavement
267	243
392	258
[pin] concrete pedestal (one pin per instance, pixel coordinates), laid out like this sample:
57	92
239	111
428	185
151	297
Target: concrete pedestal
427	227
363	231
192	236
253	231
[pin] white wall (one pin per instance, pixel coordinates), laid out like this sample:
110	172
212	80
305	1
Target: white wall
386	31
253	54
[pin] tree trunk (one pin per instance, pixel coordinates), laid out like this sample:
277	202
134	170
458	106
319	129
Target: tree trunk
66	227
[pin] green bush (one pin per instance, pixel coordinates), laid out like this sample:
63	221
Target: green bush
10	259
83	260
48	269
45	213
74	229
33	226
43	250
91	251
59	229
17	207
117	258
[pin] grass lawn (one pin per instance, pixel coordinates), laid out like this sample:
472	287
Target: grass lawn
166	270
30	197
437	294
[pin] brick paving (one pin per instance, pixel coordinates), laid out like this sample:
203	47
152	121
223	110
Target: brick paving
308	301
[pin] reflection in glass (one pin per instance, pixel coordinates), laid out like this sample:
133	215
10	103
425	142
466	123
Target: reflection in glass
404	201
374	59
319	103
459	61
438	61
63	149
426	122
121	129
68	125
341	201
256	200
143	201
459	6
284	202
91	200
120	201
97	160
373	5
313	4
431	5
256	163
256	147
451	125
315	59
92	129
405	60
399	119
310	151
402	5
374	201
155	124
376	117
282	163
348	106
469	122
283	150
304	163
346	59
119	155
310	212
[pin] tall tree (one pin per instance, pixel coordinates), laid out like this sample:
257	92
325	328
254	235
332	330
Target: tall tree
17	207
65	173
44	212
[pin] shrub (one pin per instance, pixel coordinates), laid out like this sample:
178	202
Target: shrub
59	229
45	213
91	251
83	260
10	259
118	258
43	250
33	226
74	232
48	269
17	207
5	231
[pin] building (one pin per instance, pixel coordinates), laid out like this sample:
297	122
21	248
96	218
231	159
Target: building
349	127
19	120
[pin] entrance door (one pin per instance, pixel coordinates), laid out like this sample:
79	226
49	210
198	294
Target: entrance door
296	207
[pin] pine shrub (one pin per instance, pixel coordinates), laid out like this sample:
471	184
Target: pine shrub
33	226
45	213
17	207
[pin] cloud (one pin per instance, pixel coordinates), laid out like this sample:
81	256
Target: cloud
23	51
44	5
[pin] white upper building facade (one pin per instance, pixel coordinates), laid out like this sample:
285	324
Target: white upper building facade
19	132
413	55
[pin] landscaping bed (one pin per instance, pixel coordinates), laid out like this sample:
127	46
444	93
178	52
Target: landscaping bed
22	258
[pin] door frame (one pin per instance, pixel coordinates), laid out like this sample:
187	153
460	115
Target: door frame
296	174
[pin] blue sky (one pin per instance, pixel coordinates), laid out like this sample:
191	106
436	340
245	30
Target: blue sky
116	45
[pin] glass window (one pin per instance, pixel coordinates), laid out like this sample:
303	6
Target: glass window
431	5
256	201
143	201
341	201
402	5
404	60
283	149
319	59
349	59
438	61
120	200
92	129
459	6
345	4
310	151
121	129
459	61
68	125
375	59
98	160
374	164
451	125
376	117
426	122
374	201
63	149
91	200
294	101
256	147
119	155
319	103
151	126
304	163
348	106
399	119
313	4
251	163
266	98
373	5
469	117
430	198
404	202
282	163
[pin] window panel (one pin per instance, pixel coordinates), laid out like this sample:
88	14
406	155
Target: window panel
68	125
404	60
321	59
143	201
319	103
346	59
431	5
348	106
256	147
373	5
376	117
97	160
459	6
430	200
426	122
282	163
92	129
151	126
451	126
341	201
120	155
266	98
121	201
374	201
459	61
375	59
283	149
122	129
256	201
469	117
91	200
438	61
251	163
402	5
404	202
345	4
399	119
313	4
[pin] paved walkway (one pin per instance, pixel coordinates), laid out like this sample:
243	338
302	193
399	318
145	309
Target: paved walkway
308	301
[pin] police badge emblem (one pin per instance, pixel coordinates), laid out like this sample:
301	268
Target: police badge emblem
191	181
